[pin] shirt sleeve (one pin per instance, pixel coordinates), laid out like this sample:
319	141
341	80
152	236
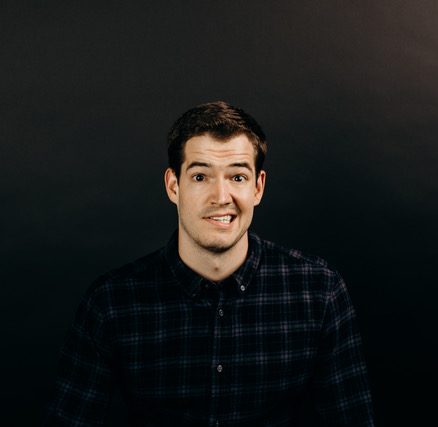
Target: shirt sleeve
340	385
83	386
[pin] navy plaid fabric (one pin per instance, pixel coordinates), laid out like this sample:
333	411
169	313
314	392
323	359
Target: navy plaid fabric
275	344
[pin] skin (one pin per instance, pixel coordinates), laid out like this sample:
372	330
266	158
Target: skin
217	178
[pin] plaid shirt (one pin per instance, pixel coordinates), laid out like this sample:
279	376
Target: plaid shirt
275	344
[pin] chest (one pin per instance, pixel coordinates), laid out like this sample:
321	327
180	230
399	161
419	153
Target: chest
188	349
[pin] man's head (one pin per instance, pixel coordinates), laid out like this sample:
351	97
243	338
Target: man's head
215	177
221	121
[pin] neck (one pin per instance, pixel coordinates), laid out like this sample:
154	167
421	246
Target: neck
213	266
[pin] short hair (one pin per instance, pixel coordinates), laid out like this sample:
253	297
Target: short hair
220	120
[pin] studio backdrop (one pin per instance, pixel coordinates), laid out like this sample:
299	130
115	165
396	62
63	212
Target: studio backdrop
347	93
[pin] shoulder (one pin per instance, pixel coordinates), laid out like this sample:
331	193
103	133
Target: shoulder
292	255
274	253
116	286
297	267
140	269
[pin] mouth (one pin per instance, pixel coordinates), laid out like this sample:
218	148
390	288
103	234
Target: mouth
223	219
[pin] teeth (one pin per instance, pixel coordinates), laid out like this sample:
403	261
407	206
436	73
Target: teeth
225	219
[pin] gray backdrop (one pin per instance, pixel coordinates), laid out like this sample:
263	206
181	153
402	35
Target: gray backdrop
347	92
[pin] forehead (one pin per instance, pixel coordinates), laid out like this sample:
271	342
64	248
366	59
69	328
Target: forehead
207	148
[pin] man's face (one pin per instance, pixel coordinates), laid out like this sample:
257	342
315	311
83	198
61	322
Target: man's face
216	192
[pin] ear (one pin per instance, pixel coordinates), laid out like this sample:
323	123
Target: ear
171	183
260	187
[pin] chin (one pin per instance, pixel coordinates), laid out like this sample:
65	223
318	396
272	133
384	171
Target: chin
219	246
216	246
217	249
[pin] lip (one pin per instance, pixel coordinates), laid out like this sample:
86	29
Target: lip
218	223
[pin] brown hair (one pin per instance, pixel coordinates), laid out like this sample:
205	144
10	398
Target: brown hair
222	121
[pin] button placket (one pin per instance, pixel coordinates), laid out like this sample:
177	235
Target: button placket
217	367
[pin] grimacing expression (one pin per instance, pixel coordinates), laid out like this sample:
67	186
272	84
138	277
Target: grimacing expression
216	192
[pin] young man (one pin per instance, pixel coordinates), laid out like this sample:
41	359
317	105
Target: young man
218	328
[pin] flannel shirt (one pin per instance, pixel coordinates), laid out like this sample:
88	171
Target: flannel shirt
275	344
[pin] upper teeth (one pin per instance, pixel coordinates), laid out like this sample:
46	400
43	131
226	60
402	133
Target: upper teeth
225	218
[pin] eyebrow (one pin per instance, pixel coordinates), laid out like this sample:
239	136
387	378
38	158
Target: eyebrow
245	165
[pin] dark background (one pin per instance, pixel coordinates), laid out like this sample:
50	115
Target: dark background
347	92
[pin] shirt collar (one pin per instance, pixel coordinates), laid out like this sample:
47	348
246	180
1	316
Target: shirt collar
191	281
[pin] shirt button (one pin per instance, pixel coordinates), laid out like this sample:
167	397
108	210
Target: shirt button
221	312
242	288
219	368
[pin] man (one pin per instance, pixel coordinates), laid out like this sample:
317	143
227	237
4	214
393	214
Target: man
218	328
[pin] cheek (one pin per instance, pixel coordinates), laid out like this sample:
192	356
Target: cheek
246	204
250	198
189	205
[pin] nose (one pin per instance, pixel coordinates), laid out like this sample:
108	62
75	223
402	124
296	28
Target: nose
220	194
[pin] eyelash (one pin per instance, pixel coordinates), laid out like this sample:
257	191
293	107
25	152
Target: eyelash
194	177
198	174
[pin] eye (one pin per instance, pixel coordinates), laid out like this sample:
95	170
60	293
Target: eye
199	177
239	178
